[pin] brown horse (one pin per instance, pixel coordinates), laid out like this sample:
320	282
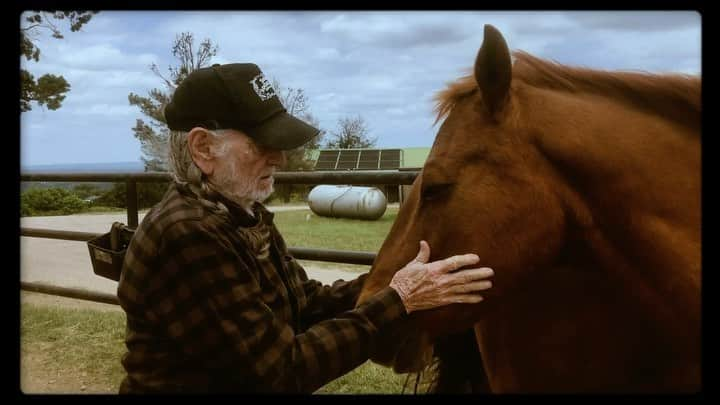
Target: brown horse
581	189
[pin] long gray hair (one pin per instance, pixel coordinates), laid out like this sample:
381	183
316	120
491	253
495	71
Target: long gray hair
182	166
186	172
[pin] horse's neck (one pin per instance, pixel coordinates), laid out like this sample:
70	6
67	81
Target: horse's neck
631	183
628	168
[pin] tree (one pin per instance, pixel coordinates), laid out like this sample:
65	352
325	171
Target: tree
148	194
314	144
48	90
154	134
351	133
296	103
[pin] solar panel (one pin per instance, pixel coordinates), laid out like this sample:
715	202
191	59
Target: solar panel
369	160
348	159
327	160
359	159
390	159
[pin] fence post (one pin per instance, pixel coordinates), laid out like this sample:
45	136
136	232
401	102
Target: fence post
131	203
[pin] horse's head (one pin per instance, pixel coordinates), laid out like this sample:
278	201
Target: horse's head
486	172
533	157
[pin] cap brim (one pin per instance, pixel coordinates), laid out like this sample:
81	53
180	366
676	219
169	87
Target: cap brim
283	131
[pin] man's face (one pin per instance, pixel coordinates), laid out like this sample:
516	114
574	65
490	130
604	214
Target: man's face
245	169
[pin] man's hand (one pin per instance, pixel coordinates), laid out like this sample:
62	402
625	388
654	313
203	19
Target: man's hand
422	285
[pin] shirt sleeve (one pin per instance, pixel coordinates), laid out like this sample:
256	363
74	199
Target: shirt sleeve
326	301
210	304
323	301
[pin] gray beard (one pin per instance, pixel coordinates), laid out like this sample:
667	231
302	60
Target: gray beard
239	189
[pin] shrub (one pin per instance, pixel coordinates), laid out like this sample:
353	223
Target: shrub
85	190
149	194
25	210
55	200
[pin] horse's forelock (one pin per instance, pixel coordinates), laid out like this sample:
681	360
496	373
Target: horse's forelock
447	98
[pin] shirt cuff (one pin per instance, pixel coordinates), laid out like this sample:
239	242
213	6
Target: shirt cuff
383	308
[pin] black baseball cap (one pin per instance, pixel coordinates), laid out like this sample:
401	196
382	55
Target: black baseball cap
236	96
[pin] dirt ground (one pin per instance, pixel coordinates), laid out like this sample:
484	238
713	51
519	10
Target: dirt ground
35	379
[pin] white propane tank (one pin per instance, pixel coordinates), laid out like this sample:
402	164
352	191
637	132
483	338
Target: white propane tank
347	202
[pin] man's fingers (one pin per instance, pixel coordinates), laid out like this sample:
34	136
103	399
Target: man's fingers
467	288
453	263
464	299
470	275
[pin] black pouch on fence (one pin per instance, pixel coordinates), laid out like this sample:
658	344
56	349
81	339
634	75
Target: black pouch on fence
107	251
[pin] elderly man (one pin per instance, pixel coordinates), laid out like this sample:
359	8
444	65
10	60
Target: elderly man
214	301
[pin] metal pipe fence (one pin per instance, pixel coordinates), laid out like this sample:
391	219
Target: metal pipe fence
375	177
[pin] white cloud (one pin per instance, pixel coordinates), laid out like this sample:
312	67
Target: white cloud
394	30
397	111
99	57
362	27
638	21
327	53
110	110
384	66
324	97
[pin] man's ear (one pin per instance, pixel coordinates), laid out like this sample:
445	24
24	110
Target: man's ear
200	146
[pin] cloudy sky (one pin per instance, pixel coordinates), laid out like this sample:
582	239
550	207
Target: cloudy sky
382	66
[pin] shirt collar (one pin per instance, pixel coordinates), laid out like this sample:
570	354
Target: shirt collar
237	212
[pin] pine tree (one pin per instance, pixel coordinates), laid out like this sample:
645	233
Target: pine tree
153	134
48	90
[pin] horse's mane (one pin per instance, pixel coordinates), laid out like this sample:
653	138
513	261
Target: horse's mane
676	96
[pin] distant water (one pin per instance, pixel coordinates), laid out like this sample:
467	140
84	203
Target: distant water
112	167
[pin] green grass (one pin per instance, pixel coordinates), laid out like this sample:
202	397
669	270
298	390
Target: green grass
369	378
91	342
75	341
304	228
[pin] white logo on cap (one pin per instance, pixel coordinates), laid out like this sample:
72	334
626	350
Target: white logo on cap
262	87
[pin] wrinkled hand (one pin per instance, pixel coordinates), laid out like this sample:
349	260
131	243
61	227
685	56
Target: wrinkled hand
422	285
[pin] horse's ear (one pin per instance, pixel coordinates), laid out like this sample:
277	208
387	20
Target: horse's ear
493	70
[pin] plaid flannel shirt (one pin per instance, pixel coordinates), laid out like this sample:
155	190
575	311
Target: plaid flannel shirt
215	303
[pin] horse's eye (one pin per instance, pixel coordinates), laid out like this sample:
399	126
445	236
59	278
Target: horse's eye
435	191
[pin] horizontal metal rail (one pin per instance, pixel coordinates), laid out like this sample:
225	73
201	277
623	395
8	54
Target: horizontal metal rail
320	177
349	177
379	177
144	177
57	234
335	256
69	292
320	255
